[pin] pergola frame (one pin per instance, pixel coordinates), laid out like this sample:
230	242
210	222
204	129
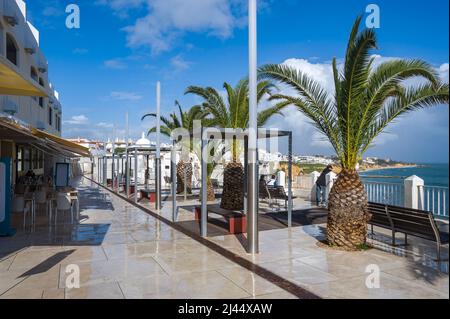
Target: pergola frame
206	135
130	153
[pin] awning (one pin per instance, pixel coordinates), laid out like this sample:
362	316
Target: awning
54	145
62	143
14	83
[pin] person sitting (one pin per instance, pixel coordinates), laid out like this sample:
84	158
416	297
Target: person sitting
272	182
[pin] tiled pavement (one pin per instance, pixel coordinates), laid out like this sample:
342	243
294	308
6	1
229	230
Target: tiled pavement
122	252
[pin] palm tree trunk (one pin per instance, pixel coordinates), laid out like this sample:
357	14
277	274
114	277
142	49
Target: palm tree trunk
184	169
233	187
348	214
210	194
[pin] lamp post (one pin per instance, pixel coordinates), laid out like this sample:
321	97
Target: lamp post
158	147
252	176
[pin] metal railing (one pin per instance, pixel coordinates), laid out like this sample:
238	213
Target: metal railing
385	193
434	199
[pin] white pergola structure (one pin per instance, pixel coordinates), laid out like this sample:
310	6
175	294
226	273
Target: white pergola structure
209	134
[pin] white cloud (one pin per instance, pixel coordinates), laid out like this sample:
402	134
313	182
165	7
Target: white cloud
125	96
121	8
307	136
80	51
52	11
168	20
115	64
105	125
443	72
179	63
78	120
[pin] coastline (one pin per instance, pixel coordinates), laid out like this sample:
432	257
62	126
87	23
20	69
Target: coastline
379	168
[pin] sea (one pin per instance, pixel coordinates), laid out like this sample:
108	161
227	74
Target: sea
432	174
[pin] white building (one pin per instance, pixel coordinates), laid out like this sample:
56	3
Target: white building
20	51
30	111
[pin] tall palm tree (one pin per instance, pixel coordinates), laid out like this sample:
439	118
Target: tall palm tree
186	121
234	113
366	100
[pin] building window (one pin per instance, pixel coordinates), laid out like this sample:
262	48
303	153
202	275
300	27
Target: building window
33	73
58	122
50	116
12	51
2	43
41	159
19	159
41	99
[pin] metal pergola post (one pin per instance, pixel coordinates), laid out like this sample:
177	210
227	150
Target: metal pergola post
105	170
98	169
127	174
204	200
127	164
118	173
158	147
252	181
245	174
173	173
135	177
290	179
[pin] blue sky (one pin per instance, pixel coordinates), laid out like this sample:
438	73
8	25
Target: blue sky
111	64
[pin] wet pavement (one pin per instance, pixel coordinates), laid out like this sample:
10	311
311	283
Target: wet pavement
121	251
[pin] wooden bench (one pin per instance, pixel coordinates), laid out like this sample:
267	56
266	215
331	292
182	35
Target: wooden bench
237	221
408	221
148	194
278	192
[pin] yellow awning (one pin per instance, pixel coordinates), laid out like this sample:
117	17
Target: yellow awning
13	83
63	143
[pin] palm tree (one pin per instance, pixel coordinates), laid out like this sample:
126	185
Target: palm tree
234	113
186	121
366	101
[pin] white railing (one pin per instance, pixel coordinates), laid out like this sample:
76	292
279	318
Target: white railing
434	199
385	193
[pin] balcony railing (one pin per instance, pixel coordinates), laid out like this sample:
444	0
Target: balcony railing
434	199
385	193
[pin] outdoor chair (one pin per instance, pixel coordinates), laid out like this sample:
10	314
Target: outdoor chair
19	207
63	203
264	193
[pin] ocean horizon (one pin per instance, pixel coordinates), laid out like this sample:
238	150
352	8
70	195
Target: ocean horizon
433	174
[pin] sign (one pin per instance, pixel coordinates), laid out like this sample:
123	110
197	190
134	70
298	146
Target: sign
62	175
